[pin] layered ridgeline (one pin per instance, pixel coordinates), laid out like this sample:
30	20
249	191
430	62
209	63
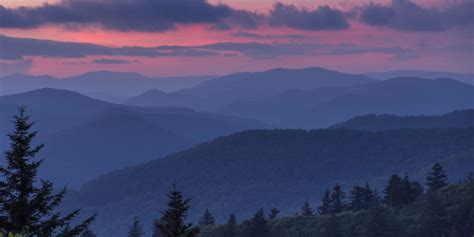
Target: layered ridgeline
222	91
374	122
316	97
110	86
325	106
467	78
272	168
85	137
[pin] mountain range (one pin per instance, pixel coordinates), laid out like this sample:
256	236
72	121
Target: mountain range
271	168
86	137
374	122
105	85
467	78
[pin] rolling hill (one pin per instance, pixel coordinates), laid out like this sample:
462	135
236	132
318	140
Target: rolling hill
271	168
104	85
373	122
221	91
467	78
323	107
86	137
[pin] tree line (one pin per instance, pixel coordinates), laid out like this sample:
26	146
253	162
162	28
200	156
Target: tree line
27	205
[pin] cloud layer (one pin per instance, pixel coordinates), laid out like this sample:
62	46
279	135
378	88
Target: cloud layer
19	48
408	16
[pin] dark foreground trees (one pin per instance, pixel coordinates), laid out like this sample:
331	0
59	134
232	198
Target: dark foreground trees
25	206
173	220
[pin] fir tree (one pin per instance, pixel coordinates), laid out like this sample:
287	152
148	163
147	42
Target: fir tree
273	213
436	178
325	207
230	226
306	210
357	196
24	205
370	197
156	230
258	225
337	204
172	222
394	192
207	219
136	229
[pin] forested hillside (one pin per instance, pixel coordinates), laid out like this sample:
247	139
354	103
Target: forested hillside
374	122
273	168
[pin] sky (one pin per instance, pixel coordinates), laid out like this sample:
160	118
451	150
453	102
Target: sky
216	37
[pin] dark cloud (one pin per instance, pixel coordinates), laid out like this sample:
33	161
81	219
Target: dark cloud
163	15
120	15
251	35
16	48
111	61
407	15
322	18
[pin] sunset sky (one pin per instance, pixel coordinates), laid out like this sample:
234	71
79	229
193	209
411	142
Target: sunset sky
184	37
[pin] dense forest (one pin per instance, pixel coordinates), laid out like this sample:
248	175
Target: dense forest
403	206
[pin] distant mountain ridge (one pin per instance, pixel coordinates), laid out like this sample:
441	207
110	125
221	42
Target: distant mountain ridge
86	137
272	168
374	122
105	85
463	77
216	93
323	107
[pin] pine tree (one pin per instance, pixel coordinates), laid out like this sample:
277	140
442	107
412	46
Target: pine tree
325	207
306	210
23	204
337	204
207	219
370	197
172	222
273	213
230	226
258	225
156	230
136	229
436	178
357	196
394	192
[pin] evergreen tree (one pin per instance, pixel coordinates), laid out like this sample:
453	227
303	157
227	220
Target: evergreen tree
337	204
156	230
273	213
88	233
394	192
436	178
136	229
258	225
230	226
172	222
325	207
23	204
357	196
370	197
207	219
306	210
